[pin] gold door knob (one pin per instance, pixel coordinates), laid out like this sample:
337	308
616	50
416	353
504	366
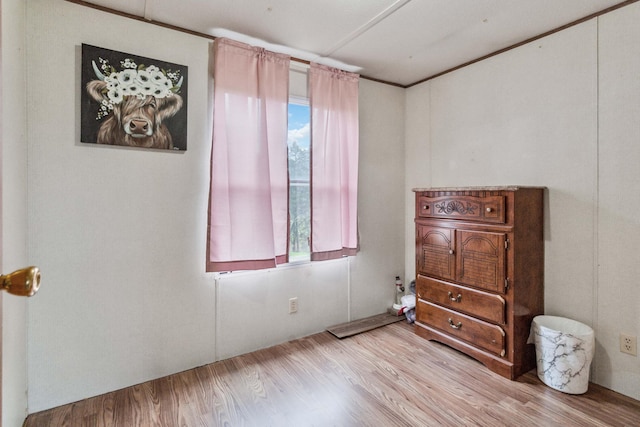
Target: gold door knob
24	282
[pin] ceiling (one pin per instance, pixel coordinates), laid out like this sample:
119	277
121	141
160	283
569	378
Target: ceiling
396	41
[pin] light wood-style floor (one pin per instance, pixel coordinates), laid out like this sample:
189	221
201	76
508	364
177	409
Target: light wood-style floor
385	377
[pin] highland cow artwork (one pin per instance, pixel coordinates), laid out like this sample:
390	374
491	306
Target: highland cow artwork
132	101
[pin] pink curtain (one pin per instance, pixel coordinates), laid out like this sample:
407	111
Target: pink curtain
248	202
333	97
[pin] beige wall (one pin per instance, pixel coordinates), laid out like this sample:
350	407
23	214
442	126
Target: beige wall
560	112
14	215
120	234
618	294
380	200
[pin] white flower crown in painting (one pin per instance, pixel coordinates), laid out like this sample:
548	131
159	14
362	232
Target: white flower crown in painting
134	80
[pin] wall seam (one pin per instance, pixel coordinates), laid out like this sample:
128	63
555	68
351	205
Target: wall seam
216	304
349	302
27	231
596	198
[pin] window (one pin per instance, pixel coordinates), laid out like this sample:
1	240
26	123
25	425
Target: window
299	176
259	191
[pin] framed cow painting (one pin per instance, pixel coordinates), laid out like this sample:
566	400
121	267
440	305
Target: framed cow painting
133	101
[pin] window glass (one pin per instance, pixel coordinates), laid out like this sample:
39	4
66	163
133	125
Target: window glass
299	177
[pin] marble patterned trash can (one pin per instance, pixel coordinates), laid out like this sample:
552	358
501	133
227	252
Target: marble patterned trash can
564	351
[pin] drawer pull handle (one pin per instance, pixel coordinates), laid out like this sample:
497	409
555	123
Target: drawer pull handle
489	210
426	208
450	251
455	325
455	299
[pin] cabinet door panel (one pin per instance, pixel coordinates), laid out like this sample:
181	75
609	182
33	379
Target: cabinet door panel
481	259
435	249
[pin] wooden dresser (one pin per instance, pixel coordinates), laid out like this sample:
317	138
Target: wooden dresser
480	271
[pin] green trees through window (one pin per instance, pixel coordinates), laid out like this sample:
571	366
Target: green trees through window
299	178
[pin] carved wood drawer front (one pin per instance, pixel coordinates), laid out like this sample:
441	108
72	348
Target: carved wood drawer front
470	208
479	333
487	306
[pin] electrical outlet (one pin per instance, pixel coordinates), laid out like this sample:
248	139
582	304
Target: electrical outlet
628	344
293	305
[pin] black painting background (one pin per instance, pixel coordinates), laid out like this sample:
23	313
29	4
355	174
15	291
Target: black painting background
89	108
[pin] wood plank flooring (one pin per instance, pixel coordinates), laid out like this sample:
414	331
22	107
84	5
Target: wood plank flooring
384	377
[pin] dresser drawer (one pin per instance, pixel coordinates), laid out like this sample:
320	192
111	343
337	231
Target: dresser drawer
487	306
471	208
484	335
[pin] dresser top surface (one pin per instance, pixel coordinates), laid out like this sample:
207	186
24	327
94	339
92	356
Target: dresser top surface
495	188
